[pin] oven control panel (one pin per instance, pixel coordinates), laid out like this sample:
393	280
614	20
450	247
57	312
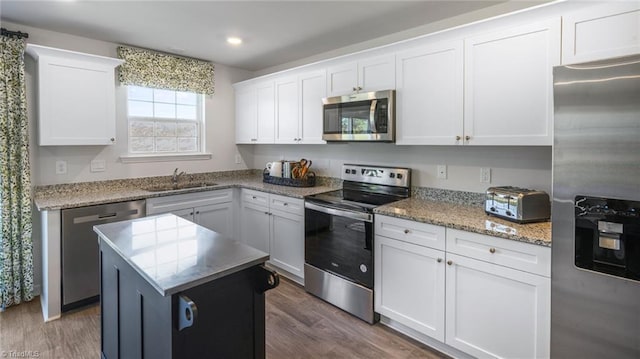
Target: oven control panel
389	176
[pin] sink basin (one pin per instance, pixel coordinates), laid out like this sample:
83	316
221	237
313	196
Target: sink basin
179	186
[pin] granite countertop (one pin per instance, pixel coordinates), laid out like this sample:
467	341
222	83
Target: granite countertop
174	254
74	195
467	218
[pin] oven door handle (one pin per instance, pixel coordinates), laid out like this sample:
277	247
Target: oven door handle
341	213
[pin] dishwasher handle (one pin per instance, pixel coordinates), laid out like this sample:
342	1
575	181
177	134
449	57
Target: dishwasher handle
106	216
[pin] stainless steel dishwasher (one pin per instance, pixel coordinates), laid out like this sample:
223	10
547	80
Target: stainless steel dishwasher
80	259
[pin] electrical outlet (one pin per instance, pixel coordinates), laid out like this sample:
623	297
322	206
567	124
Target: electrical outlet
442	171
485	175
238	158
61	167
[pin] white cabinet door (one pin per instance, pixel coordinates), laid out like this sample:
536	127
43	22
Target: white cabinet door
216	217
254	226
509	85
287	110
76	95
601	31
313	87
342	79
246	114
186	213
265	122
287	242
429	95
494	311
410	285
377	73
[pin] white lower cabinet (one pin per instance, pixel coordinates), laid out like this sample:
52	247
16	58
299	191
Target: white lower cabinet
410	285
210	209
440	283
495	311
275	224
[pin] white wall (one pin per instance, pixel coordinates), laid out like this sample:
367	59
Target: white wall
219	126
528	167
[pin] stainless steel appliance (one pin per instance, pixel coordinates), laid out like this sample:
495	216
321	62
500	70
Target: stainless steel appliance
360	117
339	236
595	298
516	204
80	262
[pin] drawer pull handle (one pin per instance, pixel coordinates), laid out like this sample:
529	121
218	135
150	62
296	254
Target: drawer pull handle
449	262
492	250
253	197
439	260
285	204
406	231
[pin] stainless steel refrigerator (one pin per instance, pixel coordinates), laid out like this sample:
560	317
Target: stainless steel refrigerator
595	274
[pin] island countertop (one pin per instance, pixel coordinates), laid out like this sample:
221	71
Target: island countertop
174	254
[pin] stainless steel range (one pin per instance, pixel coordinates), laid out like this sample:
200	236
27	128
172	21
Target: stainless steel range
339	236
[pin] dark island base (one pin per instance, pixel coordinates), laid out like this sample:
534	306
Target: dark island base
138	322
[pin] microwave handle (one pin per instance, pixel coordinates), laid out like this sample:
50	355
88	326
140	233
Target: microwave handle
372	116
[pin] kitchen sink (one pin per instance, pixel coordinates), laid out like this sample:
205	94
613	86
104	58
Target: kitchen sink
179	186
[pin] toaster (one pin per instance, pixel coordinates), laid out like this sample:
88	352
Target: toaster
516	204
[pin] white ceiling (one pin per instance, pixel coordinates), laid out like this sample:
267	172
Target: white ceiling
274	32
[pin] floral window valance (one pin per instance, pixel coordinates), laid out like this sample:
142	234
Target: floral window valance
157	70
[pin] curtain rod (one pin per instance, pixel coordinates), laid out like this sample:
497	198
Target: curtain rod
18	34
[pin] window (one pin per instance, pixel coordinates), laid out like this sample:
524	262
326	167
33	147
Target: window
164	121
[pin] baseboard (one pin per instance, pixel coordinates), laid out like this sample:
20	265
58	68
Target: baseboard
424	339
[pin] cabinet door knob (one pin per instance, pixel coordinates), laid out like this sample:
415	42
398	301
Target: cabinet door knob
253	197
266	213
285	204
354	89
458	138
197	212
467	137
492	250
439	260
112	139
191	214
449	262
359	88
406	231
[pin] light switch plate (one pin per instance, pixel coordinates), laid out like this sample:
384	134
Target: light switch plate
98	166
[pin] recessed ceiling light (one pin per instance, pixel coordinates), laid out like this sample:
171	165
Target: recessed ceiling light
234	40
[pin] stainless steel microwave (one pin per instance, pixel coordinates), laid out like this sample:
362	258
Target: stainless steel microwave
366	117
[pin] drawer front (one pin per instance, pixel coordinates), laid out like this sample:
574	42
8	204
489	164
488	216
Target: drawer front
422	234
287	204
526	257
255	197
188	200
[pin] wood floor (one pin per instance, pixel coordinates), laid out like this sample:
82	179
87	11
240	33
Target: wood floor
298	326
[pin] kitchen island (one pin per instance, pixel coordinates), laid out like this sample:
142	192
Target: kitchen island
173	289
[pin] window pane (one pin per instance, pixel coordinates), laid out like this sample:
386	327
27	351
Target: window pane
165	129
163	110
187	129
141	109
166	96
187	144
141	128
165	144
186	98
187	112
141	144
140	93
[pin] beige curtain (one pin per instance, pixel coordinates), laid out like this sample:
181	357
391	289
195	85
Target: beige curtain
16	246
158	70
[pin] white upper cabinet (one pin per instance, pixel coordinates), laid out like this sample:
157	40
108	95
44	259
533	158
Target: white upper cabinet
313	87
287	113
509	85
76	95
255	113
429	95
370	74
601	31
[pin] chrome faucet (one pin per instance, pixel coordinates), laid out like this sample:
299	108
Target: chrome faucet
176	176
